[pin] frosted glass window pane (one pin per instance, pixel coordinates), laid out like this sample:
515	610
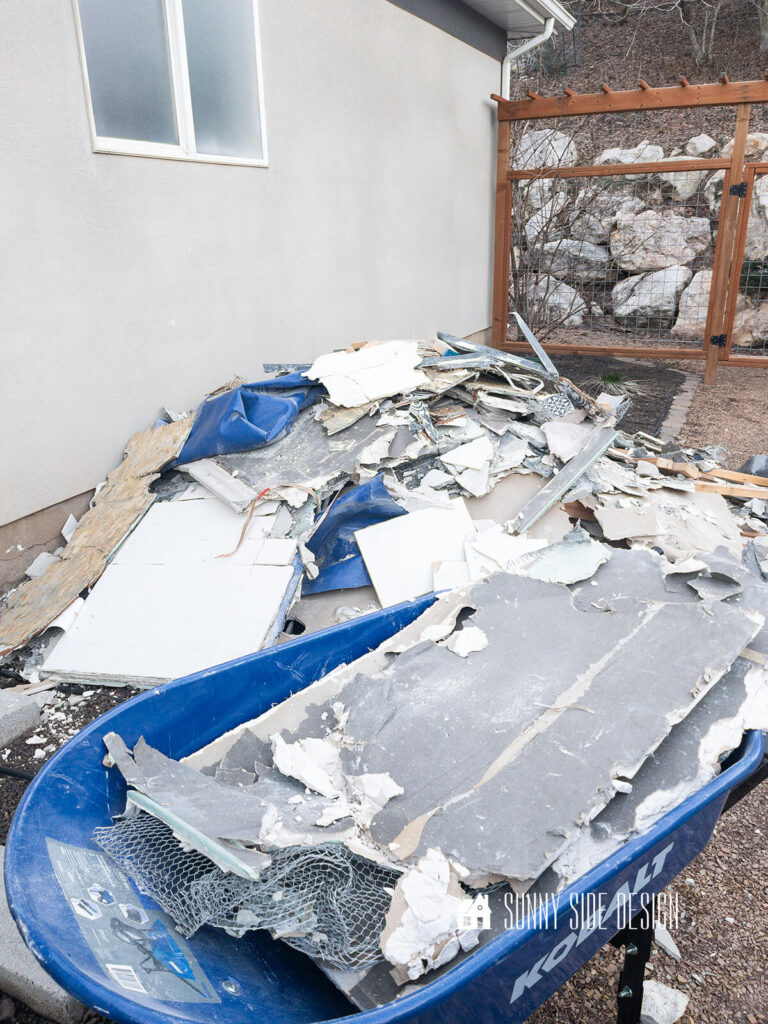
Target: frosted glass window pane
126	51
221	52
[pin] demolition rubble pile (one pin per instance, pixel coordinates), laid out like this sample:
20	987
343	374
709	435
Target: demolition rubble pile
597	646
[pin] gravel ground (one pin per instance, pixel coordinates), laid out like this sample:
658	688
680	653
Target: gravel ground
733	413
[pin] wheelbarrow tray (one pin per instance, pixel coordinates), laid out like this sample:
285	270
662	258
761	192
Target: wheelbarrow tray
258	979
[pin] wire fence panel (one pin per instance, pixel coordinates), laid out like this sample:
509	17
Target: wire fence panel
616	258
748	305
623	227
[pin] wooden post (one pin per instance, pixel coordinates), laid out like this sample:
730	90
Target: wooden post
729	215
737	261
502	236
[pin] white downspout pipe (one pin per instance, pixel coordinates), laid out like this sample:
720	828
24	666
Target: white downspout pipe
518	51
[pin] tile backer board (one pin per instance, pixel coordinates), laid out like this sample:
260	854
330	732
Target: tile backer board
167	605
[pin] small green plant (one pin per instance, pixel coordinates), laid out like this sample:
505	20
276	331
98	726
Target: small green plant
613	382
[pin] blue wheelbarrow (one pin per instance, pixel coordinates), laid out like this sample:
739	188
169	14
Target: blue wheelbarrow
114	949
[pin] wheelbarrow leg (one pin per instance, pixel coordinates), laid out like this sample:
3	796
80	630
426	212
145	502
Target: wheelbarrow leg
636	938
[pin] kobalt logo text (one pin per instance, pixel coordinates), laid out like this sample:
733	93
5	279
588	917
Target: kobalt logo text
616	908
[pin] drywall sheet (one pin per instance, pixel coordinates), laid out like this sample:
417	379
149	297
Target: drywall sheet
400	553
175	599
548	694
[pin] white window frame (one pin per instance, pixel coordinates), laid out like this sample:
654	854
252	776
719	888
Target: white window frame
181	97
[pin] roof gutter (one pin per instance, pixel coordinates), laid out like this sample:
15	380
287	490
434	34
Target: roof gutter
518	51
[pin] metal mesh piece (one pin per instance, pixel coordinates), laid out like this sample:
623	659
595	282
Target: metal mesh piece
324	900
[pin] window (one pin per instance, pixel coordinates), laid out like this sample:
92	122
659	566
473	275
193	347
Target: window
174	78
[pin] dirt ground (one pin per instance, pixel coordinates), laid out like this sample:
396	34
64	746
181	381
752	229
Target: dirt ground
733	413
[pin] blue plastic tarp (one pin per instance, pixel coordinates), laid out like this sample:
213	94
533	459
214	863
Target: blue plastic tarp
251	416
333	543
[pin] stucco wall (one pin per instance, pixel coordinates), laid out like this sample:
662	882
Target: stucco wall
130	283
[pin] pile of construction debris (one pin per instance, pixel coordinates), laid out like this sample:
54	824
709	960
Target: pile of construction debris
598	645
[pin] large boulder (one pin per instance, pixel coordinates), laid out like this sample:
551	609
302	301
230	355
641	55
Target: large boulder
653	240
594	210
757	143
572	260
713	193
756	246
548	223
692	313
643	153
684	184
750	326
557	303
701	145
545	148
650	300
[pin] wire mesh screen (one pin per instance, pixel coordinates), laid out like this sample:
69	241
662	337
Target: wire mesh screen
324	900
621	259
749	334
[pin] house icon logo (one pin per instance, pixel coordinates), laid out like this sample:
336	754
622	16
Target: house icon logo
475	915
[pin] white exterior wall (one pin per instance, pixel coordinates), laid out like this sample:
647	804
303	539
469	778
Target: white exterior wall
131	283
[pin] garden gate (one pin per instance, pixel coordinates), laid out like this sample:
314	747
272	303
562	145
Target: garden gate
657	258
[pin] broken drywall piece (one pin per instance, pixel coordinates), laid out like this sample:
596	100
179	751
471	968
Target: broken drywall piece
423	927
399	554
621	522
664	940
662	1004
43	561
566	439
474	455
493	550
228	488
374	371
313	762
467	641
575	558
69	528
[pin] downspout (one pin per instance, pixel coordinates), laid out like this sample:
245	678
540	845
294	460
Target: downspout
518	51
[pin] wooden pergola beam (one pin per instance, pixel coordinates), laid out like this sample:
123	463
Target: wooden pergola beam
722	93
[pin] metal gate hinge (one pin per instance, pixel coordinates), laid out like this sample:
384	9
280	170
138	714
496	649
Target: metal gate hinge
718	340
739	190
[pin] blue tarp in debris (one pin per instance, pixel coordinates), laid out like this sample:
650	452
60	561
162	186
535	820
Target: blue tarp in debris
251	416
333	543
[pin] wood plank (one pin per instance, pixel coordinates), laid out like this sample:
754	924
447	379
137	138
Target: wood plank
690	470
613	350
731	490
729	213
599	170
736	261
502	236
668	98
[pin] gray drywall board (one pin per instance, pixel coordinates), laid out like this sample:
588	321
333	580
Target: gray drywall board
219	811
306	456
